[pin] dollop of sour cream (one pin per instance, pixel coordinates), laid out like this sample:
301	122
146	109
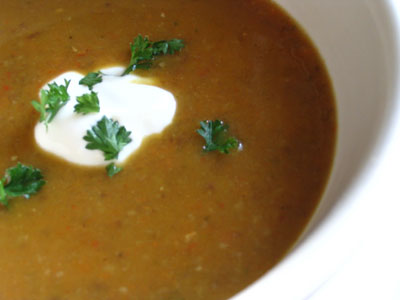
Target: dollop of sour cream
143	109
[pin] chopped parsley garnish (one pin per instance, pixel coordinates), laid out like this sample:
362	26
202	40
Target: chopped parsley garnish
87	103
19	181
167	47
51	101
112	169
143	51
108	136
91	79
215	135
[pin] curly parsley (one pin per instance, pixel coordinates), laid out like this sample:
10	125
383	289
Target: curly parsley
143	51
108	136
112	169
91	79
215	136
20	180
87	103
51	101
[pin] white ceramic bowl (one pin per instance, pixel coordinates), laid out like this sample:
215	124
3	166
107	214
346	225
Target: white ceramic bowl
359	41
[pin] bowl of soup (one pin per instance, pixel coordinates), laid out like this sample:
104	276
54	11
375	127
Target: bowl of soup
359	42
281	114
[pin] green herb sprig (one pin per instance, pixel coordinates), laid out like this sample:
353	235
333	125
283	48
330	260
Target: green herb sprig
91	79
20	180
87	103
112	169
107	136
51	101
143	51
215	136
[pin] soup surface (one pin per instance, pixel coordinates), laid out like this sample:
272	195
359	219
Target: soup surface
176	223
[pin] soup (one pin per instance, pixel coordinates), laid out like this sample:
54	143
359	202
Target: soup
177	223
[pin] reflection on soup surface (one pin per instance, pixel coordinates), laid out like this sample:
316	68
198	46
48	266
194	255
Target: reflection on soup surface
177	223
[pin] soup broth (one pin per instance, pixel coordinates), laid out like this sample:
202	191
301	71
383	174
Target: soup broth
177	223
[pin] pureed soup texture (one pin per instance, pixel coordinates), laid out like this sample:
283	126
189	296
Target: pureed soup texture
177	222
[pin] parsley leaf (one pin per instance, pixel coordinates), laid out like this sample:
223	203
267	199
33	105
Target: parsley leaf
214	133
51	101
167	47
3	195
87	103
20	180
91	79
108	137
112	169
143	51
